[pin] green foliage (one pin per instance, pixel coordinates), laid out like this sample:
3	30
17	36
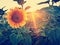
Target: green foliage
52	29
14	38
20	36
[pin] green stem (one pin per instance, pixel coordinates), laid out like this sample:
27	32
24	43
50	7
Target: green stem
22	6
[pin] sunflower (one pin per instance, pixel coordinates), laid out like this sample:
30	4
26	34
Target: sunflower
16	17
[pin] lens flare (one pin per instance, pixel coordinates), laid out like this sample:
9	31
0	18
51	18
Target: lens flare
37	21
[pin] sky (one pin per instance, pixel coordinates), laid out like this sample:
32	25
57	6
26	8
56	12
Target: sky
33	3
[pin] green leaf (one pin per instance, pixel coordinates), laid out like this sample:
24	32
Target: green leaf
15	38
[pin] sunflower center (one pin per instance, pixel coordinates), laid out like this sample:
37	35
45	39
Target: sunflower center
16	18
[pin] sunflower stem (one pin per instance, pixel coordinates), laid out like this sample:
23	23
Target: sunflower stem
22	6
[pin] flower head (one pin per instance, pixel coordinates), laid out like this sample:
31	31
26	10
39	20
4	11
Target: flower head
16	17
